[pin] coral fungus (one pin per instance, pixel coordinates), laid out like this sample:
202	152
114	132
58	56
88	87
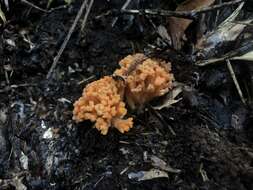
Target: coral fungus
146	78
102	103
102	100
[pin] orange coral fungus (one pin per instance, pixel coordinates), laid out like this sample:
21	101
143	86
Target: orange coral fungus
102	100
146	78
102	103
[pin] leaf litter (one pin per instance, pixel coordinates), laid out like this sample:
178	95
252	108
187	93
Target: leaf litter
177	26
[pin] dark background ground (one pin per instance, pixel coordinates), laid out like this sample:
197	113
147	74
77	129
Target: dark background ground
213	129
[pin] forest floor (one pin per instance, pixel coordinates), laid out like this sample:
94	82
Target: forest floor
41	147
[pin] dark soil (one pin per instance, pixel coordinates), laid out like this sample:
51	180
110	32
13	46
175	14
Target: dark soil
213	145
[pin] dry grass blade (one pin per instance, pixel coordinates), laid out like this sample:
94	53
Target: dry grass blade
2	15
177	26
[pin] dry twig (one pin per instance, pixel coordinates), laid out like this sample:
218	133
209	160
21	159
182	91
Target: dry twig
33	6
181	14
86	15
122	8
232	73
71	30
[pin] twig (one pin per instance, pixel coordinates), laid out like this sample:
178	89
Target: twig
34	6
122	8
86	15
9	158
57	8
63	46
232	73
160	12
217	15
181	14
86	80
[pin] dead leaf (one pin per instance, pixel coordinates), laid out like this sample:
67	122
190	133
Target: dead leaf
227	31
162	31
170	98
161	164
177	26
18	184
23	161
147	175
246	57
15	182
